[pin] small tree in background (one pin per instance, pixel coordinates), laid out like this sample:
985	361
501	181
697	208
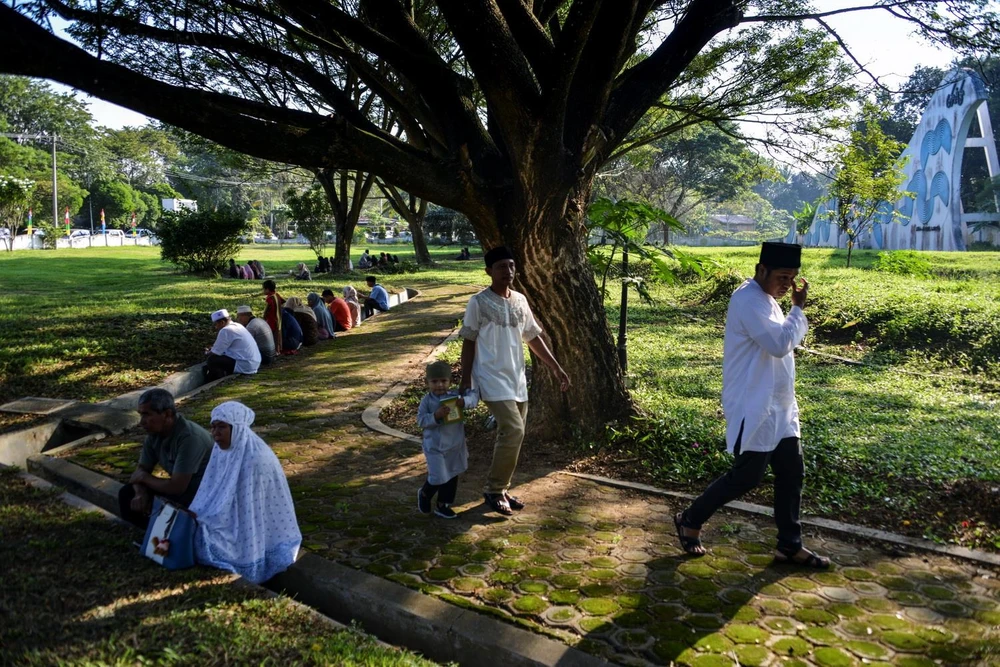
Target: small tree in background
871	171
311	210
15	198
200	242
804	217
626	224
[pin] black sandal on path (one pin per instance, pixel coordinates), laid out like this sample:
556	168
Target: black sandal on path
498	503
811	561
688	544
513	501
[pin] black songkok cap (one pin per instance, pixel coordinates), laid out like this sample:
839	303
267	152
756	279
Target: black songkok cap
495	255
781	255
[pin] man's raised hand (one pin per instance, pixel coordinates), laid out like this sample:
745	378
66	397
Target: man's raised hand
799	294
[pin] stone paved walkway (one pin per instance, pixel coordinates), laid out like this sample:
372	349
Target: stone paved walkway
594	566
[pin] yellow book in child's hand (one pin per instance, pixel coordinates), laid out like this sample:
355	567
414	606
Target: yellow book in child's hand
454	411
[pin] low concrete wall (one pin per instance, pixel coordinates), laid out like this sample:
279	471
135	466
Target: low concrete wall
89	485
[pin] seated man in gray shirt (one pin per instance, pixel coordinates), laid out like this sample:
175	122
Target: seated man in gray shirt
180	447
260	331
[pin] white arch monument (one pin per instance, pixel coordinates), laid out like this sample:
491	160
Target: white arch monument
933	218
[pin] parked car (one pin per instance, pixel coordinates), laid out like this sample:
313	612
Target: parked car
112	233
78	233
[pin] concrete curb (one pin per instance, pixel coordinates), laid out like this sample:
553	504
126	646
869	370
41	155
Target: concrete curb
848	529
370	416
95	488
439	630
394	613
69	499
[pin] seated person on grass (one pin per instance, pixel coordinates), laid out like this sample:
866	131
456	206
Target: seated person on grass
323	317
377	298
291	333
177	445
306	319
260	331
339	311
235	350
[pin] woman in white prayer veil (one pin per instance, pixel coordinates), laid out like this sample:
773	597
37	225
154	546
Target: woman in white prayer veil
246	518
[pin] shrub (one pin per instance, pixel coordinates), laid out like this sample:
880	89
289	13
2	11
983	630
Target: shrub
200	242
903	263
50	234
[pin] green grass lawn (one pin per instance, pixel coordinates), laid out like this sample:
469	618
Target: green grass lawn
74	591
95	323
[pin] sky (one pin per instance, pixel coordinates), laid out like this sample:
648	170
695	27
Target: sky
883	43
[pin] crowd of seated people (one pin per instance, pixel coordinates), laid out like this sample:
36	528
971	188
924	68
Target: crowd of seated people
369	261
252	270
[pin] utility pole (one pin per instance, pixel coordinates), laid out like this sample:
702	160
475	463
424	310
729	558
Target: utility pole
55	187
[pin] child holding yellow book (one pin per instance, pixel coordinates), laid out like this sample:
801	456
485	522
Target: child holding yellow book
440	416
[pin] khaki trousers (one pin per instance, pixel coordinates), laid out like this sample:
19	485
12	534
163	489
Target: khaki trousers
511	417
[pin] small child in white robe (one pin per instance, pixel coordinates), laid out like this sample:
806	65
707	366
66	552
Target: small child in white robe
444	440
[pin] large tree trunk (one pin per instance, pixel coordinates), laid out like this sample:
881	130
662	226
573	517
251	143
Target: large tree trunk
548	241
423	255
413	210
346	205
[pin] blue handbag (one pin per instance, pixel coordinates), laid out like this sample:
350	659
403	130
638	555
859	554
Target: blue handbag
169	538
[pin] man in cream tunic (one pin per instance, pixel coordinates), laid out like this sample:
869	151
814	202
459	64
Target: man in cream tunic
758	398
496	322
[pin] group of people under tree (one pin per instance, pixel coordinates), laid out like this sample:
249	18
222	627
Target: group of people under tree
287	325
252	270
369	261
762	424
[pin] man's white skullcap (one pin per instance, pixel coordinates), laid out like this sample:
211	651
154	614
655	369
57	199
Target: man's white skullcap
220	315
244	309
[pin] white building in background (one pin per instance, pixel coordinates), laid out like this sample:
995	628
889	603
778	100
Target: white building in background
176	205
931	219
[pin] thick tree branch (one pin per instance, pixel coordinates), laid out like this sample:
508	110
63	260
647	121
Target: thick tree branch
262	130
530	36
646	82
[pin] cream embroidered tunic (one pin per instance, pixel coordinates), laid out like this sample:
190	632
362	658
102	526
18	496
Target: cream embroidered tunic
758	369
498	326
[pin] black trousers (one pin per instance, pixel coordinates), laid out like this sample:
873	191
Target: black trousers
218	366
125	496
370	307
445	492
747	472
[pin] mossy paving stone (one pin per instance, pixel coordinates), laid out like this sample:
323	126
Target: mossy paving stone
889	622
632	600
798	584
597	606
529	604
904	641
937	592
632	619
878	604
666	612
451	561
560	615
533	587
744	614
714	643
596	625
704	621
908	598
844	610
778	624
814	616
736	596
602	575
543	559
699	586
474	570
574	554
951	608
807	600
957	652
537	572
752	656
791	647
774	607
563	597
914	661
828	656
597	590
632	584
707	660
734	579
774	591
821	636
504	577
703	602
696	568
989	617
603	562
866	650
742	633
666	593
441	573
496	595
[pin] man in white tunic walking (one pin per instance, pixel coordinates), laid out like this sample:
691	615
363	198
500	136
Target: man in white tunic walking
496	322
758	398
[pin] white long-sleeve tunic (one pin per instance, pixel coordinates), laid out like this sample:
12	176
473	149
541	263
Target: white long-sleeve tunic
443	444
758	369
